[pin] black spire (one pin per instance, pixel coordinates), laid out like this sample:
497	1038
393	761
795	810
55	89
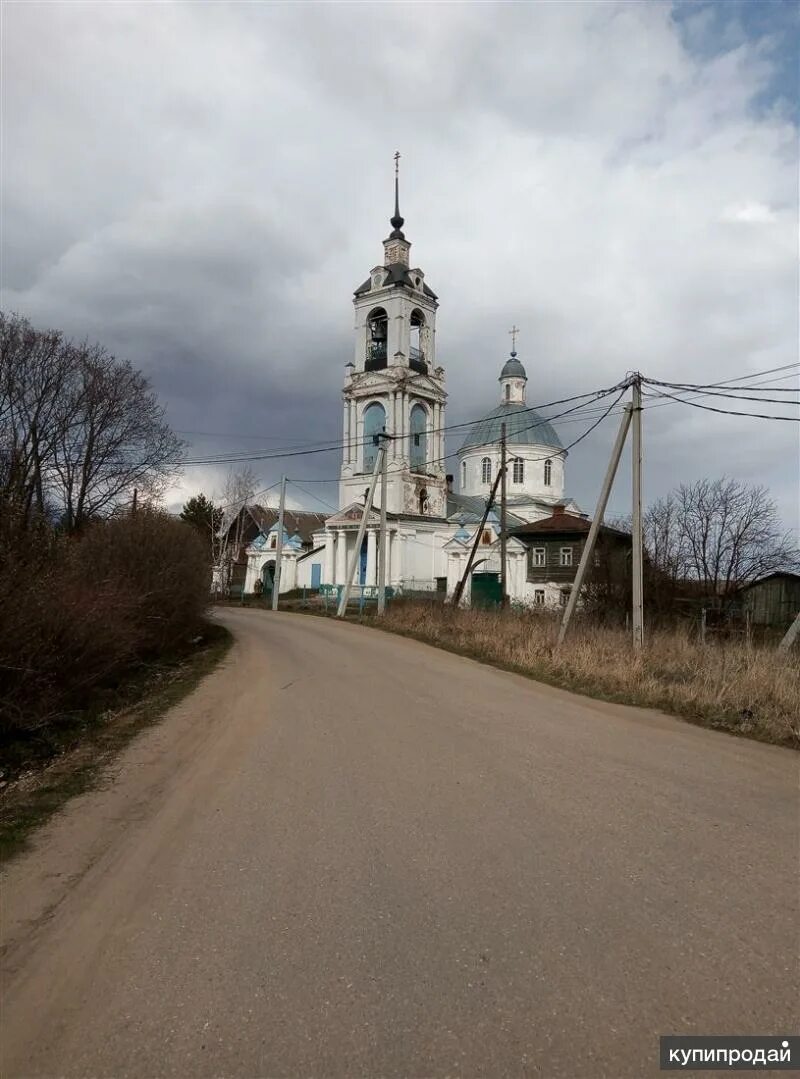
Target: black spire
397	221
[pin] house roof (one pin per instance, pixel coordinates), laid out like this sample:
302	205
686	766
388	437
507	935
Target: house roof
787	574
296	522
563	524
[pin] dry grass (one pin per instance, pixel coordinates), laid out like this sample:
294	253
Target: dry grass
753	691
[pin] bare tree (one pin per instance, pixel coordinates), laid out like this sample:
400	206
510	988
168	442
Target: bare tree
34	372
237	493
80	429
718	533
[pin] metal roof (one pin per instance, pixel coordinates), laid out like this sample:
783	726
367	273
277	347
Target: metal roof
524	426
471	507
397	275
513	368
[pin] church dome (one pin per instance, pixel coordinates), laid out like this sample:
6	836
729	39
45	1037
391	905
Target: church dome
513	368
524	426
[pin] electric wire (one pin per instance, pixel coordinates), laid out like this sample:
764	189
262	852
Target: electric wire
724	411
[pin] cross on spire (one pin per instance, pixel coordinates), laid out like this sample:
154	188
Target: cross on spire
514	331
397	220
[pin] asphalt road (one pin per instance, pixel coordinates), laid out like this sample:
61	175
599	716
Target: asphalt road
348	854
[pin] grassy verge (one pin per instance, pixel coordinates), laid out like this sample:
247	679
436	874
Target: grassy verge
746	690
726	685
42	771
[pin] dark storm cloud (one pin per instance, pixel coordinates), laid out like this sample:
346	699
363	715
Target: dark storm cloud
201	187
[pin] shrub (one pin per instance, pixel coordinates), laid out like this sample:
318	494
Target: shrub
77	613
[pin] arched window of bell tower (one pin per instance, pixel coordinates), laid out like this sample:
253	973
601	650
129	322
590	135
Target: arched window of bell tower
377	335
417	358
374	424
419	439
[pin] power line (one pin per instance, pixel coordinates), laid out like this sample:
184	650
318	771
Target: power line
223	458
724	411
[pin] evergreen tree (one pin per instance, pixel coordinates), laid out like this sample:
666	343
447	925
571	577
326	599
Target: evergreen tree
201	513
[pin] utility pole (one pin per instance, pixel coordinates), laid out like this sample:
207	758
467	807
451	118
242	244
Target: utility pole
638	544
460	586
276	583
135	500
597	521
362	528
503	562
382	533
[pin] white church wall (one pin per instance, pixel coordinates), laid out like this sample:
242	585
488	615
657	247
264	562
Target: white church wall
471	480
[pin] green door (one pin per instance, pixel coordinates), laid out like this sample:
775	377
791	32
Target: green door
485	589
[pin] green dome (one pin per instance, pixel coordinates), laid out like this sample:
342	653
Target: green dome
524	427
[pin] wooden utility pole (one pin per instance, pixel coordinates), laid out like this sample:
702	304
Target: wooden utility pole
638	543
362	528
135	500
276	582
382	533
459	590
602	502
503	562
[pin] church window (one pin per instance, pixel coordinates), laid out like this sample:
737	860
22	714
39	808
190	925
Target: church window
377	335
508	391
565	556
486	538
416	357
419	438
463	475
548	472
538	556
519	470
374	424
486	470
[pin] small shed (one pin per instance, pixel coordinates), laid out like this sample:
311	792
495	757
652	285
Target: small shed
773	600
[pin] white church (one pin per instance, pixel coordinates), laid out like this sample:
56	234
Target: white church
396	385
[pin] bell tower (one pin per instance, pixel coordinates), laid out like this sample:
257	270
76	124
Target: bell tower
394	385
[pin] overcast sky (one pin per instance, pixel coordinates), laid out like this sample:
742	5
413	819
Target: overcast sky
201	188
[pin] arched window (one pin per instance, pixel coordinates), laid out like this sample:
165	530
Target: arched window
416	358
374	424
508	391
419	438
486	470
519	470
377	334
548	472
463	476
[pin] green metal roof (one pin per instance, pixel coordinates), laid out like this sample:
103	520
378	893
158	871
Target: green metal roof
524	426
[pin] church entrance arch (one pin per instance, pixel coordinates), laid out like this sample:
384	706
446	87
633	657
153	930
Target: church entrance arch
268	577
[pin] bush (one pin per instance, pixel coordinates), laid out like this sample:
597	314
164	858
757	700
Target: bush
77	613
